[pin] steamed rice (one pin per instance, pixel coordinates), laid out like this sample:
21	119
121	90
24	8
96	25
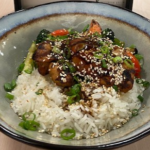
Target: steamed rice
106	111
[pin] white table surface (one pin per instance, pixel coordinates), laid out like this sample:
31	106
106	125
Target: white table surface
6	143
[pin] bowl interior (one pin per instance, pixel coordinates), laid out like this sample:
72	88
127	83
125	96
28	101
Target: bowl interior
15	43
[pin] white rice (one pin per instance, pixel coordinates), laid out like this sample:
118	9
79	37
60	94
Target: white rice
109	110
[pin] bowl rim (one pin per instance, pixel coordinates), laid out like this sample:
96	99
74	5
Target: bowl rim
40	144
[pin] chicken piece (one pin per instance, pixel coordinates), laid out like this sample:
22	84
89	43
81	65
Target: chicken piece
60	77
95	27
77	44
128	81
43	57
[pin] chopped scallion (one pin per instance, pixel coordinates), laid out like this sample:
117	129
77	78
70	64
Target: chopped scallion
67	134
117	59
104	65
141	99
115	87
21	67
10	86
105	50
9	96
39	92
134	112
129	63
29	124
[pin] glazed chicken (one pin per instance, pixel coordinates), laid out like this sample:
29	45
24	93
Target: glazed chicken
88	57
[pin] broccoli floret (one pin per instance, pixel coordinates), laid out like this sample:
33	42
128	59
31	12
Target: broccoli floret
108	33
42	36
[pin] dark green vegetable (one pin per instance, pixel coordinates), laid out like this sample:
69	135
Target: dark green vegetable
21	67
68	134
39	92
29	124
118	42
104	64
140	98
42	36
10	86
134	112
108	33
9	96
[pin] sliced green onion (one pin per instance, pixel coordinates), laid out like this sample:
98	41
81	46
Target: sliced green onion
117	59
129	63
139	81
67	53
21	67
39	92
10	86
27	115
115	87
9	96
134	112
76	79
71	31
13	83
141	99
56	50
29	124
75	89
104	65
72	68
98	55
74	98
63	37
71	99
86	28
145	84
105	50
68	134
